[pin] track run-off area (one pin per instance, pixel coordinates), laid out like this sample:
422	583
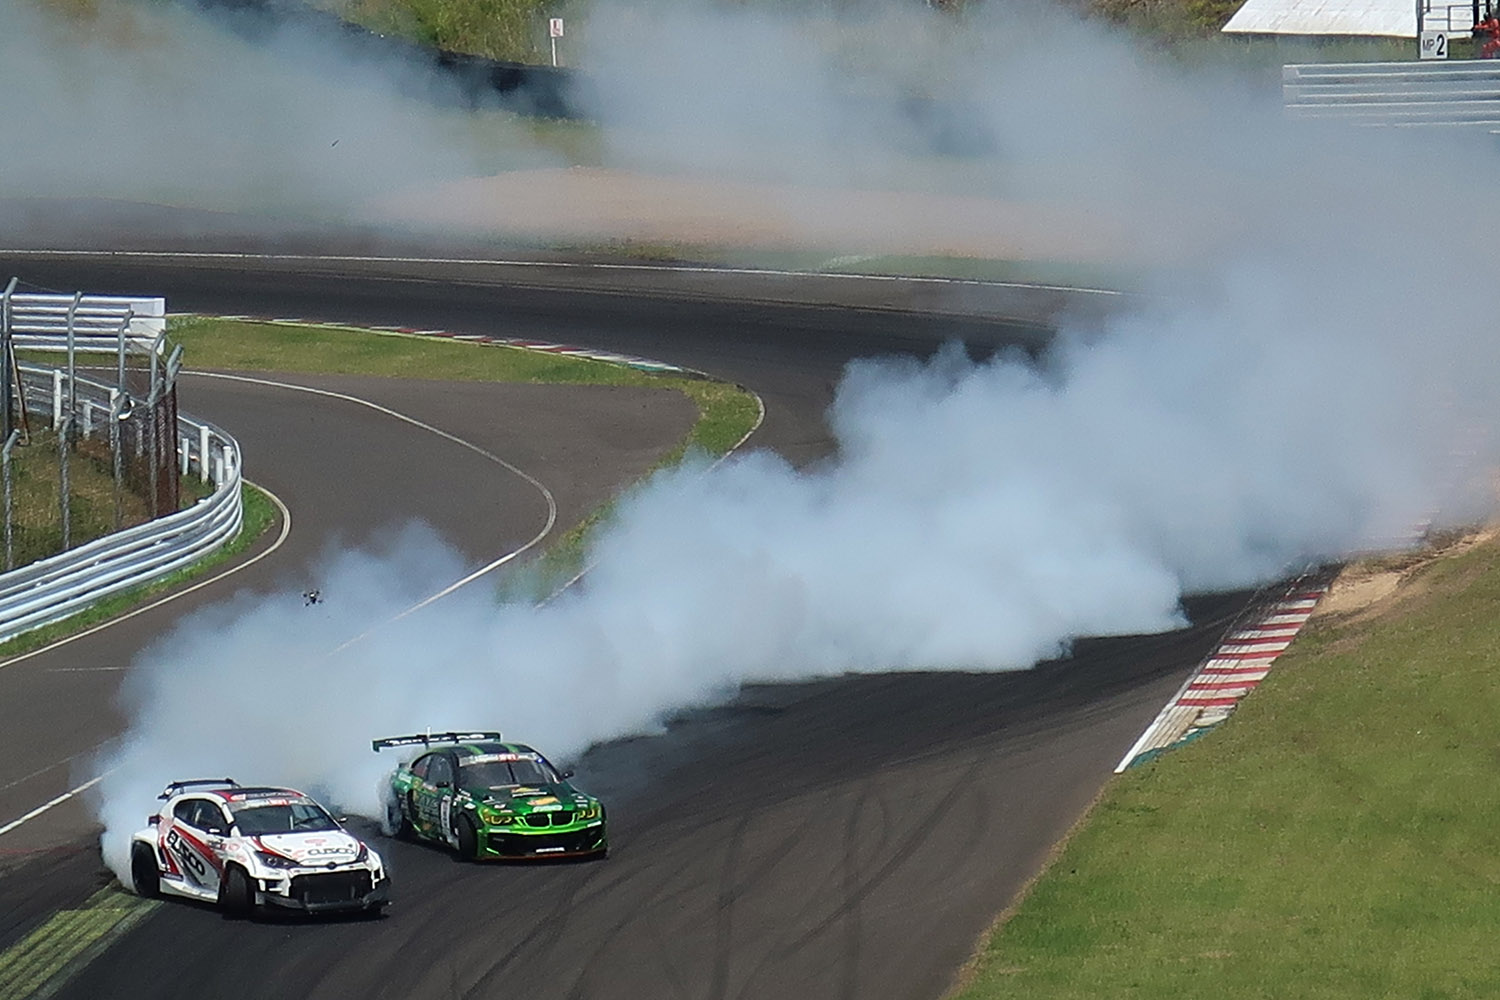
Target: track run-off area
849	837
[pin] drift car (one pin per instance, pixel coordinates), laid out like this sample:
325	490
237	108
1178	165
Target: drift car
489	799
218	842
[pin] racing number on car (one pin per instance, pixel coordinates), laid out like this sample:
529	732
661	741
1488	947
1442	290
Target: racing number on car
445	813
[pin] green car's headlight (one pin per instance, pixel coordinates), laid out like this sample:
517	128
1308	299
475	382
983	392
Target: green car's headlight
496	817
590	811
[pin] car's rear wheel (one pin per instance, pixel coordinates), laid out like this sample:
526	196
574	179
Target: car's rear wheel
235	893
396	823
145	877
468	839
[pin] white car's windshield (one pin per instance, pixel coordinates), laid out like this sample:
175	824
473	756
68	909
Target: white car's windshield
286	817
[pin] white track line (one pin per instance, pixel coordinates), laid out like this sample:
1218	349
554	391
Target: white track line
295	258
528	477
65	796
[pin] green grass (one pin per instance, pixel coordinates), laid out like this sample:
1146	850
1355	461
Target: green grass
726	412
250	346
259	515
36	497
517	29
1338	837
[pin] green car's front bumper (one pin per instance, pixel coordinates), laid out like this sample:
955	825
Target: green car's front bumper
520	841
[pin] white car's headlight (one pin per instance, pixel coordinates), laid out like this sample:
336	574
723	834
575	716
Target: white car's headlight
275	860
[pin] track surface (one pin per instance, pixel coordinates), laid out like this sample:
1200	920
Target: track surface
848	838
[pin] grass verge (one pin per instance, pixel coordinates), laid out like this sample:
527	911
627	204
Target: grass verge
1336	838
726	413
36	529
259	514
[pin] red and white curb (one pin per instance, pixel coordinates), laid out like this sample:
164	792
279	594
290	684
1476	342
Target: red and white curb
547	347
1241	661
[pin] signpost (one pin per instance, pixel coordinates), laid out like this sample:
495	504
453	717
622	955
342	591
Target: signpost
555	30
1433	45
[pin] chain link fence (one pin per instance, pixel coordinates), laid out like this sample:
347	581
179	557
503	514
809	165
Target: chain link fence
106	408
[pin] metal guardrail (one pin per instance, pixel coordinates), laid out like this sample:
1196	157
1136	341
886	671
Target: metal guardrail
40	322
54	588
1457	93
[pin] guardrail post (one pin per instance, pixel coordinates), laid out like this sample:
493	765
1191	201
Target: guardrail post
10	442
57	398
203	454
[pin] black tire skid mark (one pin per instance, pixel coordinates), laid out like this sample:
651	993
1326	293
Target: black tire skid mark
904	850
729	892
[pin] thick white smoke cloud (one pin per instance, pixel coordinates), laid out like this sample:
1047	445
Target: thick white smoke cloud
1312	377
978	516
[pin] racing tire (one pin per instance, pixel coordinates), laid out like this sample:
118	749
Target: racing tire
145	876
396	823
236	895
468	839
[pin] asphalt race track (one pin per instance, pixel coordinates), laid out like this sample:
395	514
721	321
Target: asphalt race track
845	838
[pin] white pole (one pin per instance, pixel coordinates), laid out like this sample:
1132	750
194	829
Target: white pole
554	52
203	453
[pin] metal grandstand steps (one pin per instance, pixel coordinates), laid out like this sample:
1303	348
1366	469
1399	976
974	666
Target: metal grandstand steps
1460	93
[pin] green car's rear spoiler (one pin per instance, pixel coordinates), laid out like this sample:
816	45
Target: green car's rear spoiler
428	739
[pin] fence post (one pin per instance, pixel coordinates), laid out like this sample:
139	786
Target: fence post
72	353
57	399
119	408
7	403
153	416
62	463
203	453
124	328
155	351
10	442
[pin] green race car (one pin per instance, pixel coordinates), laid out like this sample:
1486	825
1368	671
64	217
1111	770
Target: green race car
489	799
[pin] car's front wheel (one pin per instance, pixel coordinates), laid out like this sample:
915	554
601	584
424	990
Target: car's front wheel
145	877
235	893
468	839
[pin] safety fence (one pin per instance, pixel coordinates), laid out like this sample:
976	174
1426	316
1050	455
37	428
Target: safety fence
41	322
1458	93
148	442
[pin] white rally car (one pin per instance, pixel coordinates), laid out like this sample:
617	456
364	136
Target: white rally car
245	847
